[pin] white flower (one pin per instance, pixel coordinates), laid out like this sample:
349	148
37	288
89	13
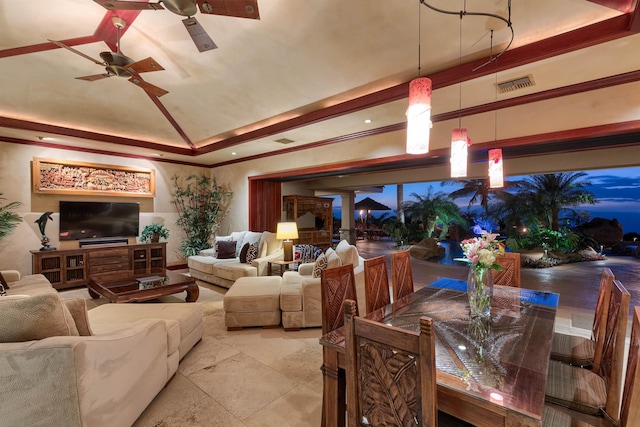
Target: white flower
486	257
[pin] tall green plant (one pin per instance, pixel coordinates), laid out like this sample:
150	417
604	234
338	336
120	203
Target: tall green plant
202	205
8	220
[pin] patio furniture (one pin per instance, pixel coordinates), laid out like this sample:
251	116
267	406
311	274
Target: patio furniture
510	274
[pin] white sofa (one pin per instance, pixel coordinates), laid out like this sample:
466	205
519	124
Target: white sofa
300	297
63	365
224	272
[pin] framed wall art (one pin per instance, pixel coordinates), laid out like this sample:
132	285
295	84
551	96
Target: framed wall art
69	177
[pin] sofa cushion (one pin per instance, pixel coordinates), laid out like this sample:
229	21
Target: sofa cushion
251	237
238	236
35	318
226	249
347	253
234	270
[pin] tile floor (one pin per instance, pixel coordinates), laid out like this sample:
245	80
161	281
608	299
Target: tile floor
268	377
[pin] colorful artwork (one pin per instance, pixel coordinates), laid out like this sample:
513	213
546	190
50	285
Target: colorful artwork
63	177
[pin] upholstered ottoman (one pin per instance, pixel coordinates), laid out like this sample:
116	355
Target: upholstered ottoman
253	301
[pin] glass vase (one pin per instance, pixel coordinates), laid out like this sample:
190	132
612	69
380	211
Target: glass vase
480	292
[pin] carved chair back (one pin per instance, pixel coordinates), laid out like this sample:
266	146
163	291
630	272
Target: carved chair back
376	283
401	274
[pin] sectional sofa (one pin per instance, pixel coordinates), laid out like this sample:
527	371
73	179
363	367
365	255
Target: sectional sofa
210	267
64	365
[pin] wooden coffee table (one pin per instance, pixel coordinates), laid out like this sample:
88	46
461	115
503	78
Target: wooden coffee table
136	288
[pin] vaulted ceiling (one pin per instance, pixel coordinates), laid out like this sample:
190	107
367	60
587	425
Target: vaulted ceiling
308	74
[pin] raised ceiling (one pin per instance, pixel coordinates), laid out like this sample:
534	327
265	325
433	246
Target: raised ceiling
308	73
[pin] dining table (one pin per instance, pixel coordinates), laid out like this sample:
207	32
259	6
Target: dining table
490	371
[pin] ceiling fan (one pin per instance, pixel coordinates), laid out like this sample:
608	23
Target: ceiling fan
237	8
117	64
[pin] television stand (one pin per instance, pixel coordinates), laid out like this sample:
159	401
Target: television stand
72	267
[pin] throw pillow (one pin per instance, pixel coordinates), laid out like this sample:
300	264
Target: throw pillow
321	264
35	318
215	243
226	250
347	253
78	309
3	282
252	253
243	253
333	260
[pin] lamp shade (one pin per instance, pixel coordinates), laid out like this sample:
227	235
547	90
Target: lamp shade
287	230
496	178
419	116
459	144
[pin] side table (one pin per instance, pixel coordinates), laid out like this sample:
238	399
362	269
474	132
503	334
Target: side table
284	266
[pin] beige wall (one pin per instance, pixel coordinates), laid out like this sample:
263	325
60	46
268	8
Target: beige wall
16	184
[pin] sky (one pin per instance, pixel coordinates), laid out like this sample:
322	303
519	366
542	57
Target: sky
616	190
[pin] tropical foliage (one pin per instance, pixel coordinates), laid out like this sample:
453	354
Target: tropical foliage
202	204
434	209
8	220
152	231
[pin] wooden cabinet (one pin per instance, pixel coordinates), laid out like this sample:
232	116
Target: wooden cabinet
73	267
314	216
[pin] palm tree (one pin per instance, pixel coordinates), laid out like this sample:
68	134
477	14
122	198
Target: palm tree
433	208
546	195
478	189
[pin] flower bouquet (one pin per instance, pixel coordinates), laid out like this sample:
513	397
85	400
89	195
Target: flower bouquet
480	253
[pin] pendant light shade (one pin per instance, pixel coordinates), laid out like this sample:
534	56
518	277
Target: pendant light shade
459	144
496	179
419	116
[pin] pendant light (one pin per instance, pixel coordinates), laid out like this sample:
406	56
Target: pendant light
419	110
496	174
459	138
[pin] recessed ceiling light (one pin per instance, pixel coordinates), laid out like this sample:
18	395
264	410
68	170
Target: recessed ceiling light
233	153
367	121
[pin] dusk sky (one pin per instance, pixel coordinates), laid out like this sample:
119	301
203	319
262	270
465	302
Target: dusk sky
616	190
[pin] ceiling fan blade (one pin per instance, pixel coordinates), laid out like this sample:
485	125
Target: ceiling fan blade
237	8
199	35
77	52
128	5
144	66
148	87
94	77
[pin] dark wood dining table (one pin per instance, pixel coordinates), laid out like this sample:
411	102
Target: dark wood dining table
491	372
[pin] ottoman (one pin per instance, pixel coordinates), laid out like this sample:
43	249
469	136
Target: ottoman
253	301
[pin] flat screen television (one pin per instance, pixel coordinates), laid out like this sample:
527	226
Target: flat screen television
93	220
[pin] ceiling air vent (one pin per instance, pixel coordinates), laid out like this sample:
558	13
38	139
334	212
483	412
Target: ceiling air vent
284	141
515	84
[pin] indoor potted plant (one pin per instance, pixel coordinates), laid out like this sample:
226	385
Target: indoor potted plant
153	232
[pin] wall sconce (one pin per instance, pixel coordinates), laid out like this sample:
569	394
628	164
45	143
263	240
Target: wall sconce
419	116
459	144
496	178
285	232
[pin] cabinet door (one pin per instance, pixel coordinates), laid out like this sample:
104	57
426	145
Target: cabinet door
74	269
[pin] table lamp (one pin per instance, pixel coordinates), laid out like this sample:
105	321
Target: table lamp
287	231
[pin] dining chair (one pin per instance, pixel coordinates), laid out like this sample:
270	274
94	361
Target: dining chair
581	351
510	274
337	284
595	392
376	283
401	274
555	416
391	374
